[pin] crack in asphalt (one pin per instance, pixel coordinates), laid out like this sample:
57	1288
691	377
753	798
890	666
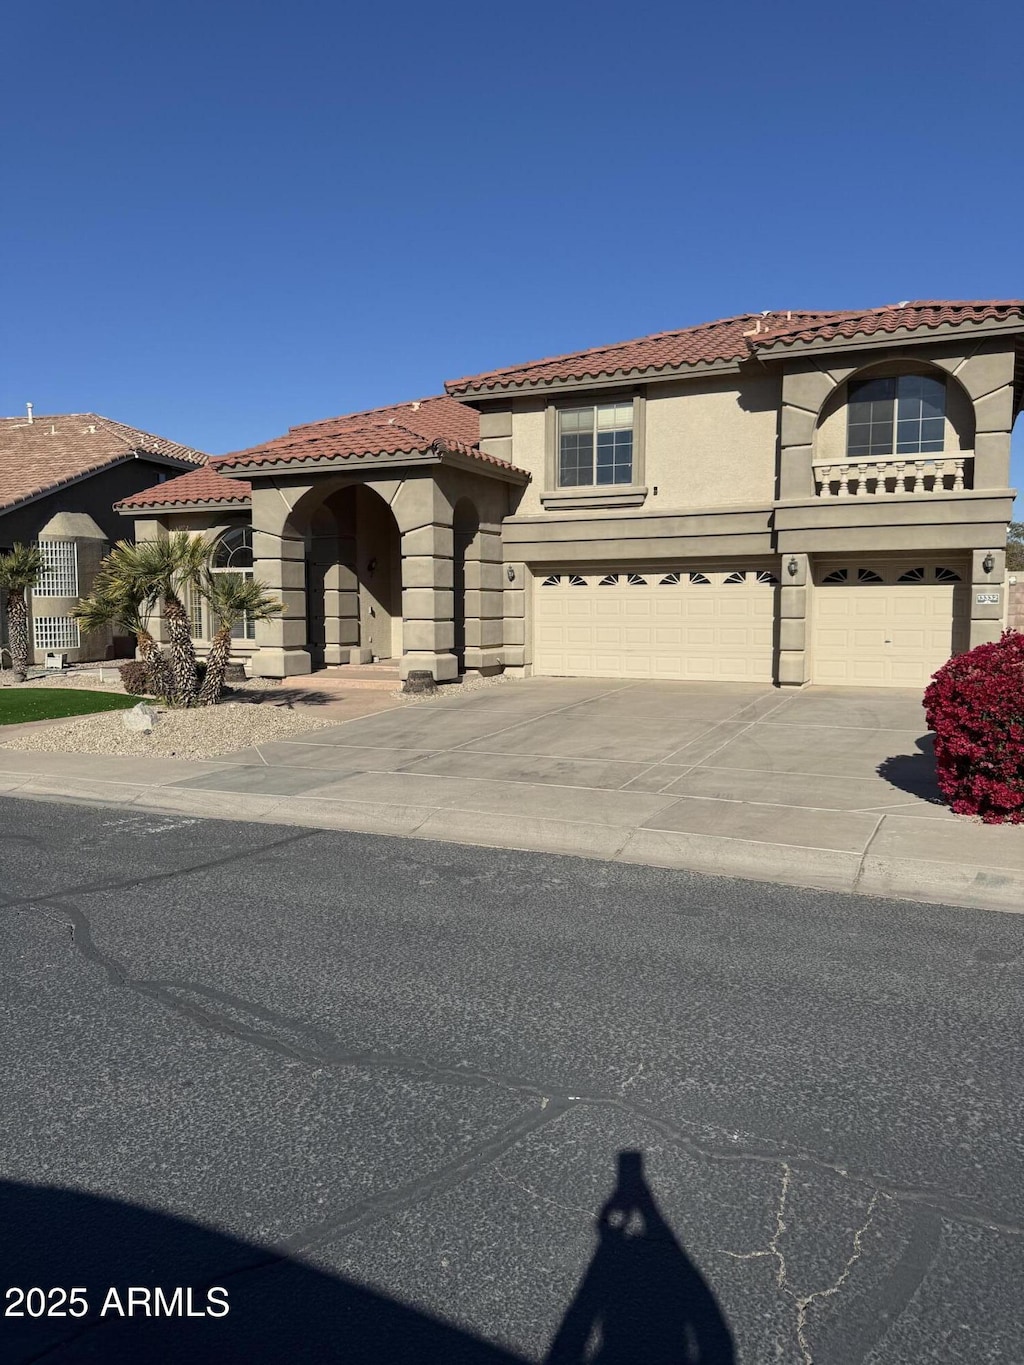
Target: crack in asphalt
803	1302
314	1046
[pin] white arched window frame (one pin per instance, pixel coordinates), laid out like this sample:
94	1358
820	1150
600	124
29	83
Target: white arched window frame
232	553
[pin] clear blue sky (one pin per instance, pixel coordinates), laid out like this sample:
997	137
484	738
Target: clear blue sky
221	219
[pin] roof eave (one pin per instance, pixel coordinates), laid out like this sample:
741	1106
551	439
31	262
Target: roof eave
918	336
220	505
363	466
618	379
122	458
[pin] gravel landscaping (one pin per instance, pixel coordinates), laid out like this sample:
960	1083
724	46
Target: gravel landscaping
205	732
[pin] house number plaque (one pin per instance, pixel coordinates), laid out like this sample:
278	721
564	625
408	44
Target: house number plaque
987	598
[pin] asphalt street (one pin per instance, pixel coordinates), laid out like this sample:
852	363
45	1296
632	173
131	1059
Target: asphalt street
413	1101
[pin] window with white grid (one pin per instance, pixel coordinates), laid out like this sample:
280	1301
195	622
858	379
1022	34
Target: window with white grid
58	576
55	632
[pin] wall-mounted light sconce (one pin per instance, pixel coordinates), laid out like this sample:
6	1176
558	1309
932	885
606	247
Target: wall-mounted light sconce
988	563
510	574
792	568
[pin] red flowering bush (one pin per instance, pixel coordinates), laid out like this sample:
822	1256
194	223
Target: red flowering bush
975	705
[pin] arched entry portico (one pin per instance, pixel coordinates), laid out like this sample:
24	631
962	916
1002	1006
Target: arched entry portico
366	569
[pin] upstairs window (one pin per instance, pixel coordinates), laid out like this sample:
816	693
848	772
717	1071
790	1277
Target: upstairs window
900	415
595	445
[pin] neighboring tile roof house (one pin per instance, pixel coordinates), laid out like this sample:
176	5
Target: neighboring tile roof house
439	422
46	453
198	487
734	339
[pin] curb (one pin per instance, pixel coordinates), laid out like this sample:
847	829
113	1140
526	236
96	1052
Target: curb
924	880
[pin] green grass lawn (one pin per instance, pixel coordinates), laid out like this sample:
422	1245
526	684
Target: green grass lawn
18	704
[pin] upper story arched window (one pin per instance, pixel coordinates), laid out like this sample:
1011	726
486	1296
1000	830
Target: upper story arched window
901	414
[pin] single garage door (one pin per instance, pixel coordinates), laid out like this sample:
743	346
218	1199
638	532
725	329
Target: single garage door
887	625
698	623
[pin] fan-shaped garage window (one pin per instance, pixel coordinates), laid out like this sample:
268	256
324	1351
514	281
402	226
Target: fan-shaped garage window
700	580
552	581
943	575
868	576
837	576
609	580
735	578
764	576
911	576
636	580
575	581
670	580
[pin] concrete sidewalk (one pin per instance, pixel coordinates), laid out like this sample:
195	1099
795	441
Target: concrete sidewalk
824	788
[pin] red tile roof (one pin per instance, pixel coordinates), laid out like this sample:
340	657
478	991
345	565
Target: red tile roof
198	486
439	423
42	455
733	339
895	317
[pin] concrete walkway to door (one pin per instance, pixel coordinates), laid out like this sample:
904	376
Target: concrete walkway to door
824	787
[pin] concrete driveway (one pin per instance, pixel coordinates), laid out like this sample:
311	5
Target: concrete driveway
825	787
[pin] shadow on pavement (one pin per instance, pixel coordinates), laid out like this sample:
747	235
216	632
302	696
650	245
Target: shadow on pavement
914	773
641	1299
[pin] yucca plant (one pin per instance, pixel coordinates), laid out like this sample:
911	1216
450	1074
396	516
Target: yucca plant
117	600
231	598
19	569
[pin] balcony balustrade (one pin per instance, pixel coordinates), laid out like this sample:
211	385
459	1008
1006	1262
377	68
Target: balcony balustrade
884	476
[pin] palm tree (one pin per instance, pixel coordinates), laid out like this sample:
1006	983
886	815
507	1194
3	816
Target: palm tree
160	571
231	598
166	570
19	569
117	600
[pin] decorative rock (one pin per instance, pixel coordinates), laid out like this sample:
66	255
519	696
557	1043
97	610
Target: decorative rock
141	717
420	680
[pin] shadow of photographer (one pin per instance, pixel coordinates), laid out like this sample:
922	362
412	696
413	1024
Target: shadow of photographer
641	1300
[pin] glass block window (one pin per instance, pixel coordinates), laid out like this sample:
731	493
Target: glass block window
901	415
55	632
58	576
595	445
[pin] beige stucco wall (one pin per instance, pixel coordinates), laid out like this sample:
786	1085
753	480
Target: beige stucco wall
707	443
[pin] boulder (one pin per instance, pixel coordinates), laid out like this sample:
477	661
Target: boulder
142	717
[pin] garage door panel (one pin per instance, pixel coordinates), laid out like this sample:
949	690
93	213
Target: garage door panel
655	628
884	633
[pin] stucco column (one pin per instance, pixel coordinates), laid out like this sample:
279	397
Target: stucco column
153	528
279	560
428	602
484	602
793	661
516	628
988	597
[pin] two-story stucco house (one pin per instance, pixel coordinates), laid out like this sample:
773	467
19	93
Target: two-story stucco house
788	497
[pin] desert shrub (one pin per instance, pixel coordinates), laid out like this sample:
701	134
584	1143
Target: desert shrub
135	678
975	706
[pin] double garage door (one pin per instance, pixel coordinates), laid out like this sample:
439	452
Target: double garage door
871	623
686	623
887	624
